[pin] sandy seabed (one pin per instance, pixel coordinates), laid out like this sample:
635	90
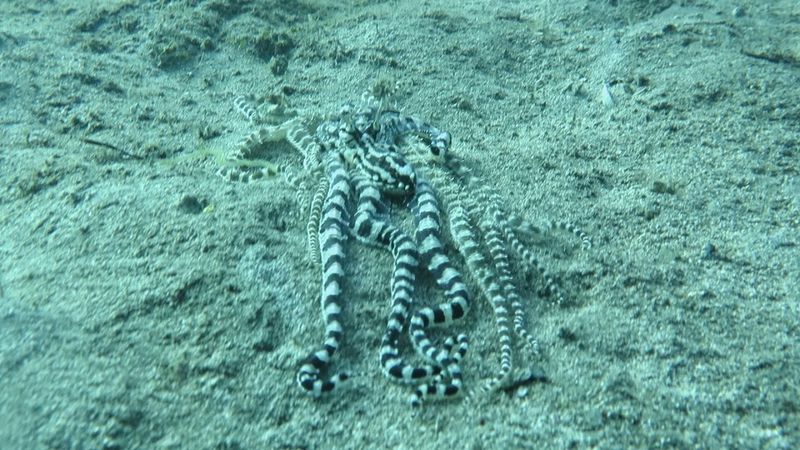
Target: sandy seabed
147	303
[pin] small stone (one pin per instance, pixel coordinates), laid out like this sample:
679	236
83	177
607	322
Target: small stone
190	204
709	251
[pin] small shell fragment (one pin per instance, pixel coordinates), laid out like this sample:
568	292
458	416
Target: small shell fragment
605	96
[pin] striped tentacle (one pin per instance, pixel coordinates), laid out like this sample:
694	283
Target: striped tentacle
530	260
499	236
465	237
386	166
298	136
427	215
241	165
586	241
314	215
522	226
393	124
245	106
438	388
370	228
333	233
244	164
510	225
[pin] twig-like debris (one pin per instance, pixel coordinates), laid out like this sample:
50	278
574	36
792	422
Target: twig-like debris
110	146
